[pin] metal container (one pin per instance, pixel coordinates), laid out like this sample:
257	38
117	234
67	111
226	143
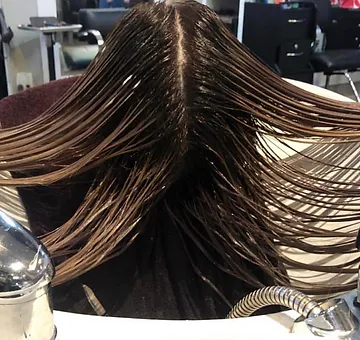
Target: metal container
26	271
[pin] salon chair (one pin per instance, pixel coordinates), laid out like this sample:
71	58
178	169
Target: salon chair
341	55
97	24
71	9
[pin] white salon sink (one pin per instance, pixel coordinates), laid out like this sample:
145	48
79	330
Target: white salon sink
85	327
267	327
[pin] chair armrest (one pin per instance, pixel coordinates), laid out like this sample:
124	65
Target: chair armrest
91	36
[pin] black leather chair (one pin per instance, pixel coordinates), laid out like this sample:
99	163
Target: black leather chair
341	27
71	9
97	24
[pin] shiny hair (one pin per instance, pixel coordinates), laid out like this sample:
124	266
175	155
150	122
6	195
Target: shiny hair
179	119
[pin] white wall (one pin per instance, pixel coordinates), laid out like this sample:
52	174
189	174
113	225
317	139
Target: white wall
24	52
46	8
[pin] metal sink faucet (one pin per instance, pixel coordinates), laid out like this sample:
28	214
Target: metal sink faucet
26	271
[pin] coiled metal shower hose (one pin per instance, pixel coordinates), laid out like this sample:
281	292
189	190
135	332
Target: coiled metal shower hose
276	295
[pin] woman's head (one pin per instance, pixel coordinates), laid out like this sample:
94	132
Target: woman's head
174	115
153	120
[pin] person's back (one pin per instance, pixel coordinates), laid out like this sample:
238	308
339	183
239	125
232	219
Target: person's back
168	208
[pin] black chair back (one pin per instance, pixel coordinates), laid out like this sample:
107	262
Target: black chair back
76	5
323	15
343	32
71	8
102	20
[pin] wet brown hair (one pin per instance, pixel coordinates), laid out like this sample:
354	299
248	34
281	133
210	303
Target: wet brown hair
179	119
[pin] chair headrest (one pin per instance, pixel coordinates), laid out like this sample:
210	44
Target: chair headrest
102	20
76	5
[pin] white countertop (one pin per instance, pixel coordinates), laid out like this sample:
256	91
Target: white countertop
51	29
